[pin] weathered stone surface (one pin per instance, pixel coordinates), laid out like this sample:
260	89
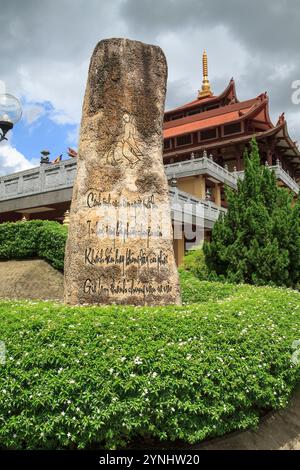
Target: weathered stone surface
129	258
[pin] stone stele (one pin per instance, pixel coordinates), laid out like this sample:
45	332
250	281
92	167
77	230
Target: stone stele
120	242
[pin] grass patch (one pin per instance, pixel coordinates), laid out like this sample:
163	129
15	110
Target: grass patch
76	377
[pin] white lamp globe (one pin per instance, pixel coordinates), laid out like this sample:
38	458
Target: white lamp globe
10	108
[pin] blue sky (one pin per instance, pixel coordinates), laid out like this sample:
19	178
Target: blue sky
41	132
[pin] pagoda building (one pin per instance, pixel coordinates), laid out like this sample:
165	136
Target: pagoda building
220	127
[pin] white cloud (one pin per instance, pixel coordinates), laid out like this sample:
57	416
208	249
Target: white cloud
11	160
65	94
185	61
2	87
32	112
50	64
73	137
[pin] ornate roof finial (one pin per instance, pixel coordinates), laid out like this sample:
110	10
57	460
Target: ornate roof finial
205	89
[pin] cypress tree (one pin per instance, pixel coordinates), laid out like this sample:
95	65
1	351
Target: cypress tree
258	240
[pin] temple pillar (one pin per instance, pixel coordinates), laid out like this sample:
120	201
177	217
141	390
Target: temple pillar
179	250
217	194
200	187
270	151
237	151
269	157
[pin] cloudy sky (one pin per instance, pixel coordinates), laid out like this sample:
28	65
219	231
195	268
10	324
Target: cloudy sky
45	46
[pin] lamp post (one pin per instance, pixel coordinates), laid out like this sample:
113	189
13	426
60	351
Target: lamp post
10	113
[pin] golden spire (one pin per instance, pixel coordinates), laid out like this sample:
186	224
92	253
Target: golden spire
205	89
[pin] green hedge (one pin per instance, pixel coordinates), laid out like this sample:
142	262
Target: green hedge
194	291
35	238
82	377
194	263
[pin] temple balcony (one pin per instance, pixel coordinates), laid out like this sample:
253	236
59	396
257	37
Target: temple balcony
47	186
50	185
201	166
38	180
281	175
184	203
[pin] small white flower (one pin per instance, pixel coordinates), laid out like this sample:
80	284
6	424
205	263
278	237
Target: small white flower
138	360
63	413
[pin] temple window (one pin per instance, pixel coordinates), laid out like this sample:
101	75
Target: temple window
208	134
194	111
183	140
212	106
167	144
177	116
234	128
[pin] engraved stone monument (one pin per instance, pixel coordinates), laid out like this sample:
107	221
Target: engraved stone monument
120	242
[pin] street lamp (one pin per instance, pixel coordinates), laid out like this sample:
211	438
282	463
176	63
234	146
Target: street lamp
10	113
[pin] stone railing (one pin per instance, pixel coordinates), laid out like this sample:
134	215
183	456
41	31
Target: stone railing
281	175
38	180
208	211
198	166
54	177
61	175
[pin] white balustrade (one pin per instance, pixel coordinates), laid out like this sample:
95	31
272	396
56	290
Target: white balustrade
281	175
200	166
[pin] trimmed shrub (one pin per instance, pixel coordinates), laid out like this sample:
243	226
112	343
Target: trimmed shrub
82	377
35	238
258	240
194	263
195	291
